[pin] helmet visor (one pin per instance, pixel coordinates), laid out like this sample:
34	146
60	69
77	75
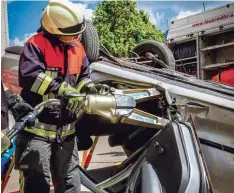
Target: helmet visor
76	29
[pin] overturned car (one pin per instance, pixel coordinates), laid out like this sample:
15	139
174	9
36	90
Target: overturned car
178	138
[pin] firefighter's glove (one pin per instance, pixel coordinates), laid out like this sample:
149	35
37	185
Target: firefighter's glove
18	106
74	99
92	88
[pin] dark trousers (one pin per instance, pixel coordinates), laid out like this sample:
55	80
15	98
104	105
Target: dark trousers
36	159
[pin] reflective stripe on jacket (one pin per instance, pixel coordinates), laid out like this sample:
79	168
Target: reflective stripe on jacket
44	64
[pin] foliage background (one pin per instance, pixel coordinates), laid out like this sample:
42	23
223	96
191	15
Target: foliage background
121	26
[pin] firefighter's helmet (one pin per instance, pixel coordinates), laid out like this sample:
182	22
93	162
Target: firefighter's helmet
62	17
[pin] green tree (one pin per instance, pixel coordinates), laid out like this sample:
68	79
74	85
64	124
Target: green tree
121	26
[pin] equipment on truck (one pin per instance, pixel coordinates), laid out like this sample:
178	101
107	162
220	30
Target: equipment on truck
203	44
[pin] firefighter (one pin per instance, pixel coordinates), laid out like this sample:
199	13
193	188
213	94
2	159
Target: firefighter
18	108
53	64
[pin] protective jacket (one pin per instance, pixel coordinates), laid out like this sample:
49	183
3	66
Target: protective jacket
44	64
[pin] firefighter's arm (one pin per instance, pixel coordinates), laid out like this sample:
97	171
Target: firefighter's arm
32	74
85	84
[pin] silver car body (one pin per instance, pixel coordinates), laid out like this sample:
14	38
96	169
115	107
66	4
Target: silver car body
215	124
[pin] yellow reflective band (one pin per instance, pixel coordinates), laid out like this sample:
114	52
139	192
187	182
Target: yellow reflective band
38	82
45	126
69	132
45	97
77	76
45	133
41	132
82	83
21	182
46	82
48	73
50	95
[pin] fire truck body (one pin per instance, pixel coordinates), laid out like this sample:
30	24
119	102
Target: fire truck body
203	44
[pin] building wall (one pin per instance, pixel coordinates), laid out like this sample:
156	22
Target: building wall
4	27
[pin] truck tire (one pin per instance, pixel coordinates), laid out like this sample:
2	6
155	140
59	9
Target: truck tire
90	41
163	52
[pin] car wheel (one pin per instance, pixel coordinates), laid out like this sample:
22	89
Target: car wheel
156	48
90	41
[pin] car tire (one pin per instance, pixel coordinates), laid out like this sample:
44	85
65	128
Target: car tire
90	41
163	52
